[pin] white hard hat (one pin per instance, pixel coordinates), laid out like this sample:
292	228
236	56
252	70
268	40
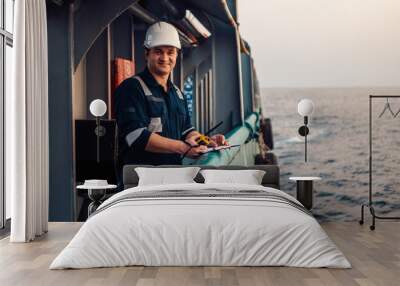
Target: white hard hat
162	34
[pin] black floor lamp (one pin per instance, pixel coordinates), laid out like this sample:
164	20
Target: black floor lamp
305	108
98	108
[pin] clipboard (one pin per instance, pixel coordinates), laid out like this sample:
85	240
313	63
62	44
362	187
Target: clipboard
218	148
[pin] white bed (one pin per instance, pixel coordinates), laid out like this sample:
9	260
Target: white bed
182	230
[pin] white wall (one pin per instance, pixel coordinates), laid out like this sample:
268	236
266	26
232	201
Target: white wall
323	43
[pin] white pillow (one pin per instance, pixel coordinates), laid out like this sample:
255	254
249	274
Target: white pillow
249	177
164	176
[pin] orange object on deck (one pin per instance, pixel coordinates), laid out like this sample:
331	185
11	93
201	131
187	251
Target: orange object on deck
123	69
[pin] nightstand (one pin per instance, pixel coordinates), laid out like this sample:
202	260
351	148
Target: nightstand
97	190
304	190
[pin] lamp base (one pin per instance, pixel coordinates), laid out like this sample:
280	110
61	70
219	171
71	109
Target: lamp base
304	131
100	131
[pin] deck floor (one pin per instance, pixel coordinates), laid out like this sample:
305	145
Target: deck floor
375	257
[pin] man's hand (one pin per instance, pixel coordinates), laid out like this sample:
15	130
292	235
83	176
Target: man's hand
193	149
218	140
192	140
195	152
189	148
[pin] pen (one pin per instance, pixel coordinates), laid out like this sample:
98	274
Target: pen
212	129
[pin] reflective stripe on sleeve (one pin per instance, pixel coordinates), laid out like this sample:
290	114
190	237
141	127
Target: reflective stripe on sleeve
187	131
133	136
155	124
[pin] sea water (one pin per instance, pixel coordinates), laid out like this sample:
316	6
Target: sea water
338	148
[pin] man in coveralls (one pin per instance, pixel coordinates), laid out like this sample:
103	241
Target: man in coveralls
152	115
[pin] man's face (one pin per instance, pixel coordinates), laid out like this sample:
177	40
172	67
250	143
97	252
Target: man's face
161	60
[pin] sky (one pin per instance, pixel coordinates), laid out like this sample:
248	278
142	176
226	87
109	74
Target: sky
323	43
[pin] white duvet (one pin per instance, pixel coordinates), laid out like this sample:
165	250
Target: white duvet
200	231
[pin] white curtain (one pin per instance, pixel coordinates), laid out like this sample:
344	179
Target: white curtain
27	173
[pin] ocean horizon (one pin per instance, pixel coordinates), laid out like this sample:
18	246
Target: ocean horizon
338	147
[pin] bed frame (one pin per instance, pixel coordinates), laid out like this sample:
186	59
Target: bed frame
270	179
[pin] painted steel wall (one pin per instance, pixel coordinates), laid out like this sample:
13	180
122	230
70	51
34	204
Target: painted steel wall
121	36
226	76
60	115
192	58
247	84
140	32
103	11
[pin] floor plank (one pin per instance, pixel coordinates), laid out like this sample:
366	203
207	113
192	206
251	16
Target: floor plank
375	257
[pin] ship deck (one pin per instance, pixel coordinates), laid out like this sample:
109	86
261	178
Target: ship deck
374	255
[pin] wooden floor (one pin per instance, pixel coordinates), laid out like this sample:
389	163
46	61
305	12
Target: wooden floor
375	257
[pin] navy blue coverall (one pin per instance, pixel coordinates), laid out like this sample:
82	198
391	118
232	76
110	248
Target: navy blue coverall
142	106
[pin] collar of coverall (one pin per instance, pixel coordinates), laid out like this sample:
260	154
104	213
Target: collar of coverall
150	80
